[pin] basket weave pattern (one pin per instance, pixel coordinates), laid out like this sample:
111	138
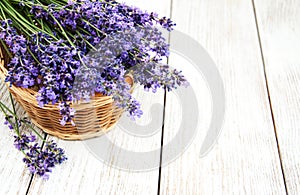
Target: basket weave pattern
92	119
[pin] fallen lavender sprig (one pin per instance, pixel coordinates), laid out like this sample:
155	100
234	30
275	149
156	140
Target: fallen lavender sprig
40	158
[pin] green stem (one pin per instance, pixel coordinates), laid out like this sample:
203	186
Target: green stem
16	126
3	15
14	109
35	131
18	22
81	60
5	48
33	55
63	31
3	107
103	33
14	13
86	41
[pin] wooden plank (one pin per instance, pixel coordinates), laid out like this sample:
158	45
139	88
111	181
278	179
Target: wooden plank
245	159
84	174
14	176
279	26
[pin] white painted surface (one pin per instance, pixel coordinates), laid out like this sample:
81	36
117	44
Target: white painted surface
246	159
279	25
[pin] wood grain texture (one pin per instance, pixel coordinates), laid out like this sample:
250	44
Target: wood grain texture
85	174
245	160
279	25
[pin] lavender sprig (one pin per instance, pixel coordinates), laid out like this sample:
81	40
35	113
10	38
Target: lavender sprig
39	160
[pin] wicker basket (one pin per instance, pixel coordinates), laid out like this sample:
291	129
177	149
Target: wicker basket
92	119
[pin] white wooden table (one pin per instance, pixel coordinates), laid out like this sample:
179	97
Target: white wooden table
256	46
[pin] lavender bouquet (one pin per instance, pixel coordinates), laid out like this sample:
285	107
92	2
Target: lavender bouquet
68	50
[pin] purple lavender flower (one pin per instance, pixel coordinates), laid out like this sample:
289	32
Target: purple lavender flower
67	113
41	161
22	142
8	122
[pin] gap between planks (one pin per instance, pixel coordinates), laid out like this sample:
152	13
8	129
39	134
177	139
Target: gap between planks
268	91
164	114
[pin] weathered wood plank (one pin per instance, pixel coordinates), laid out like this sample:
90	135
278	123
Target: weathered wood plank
245	159
279	26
